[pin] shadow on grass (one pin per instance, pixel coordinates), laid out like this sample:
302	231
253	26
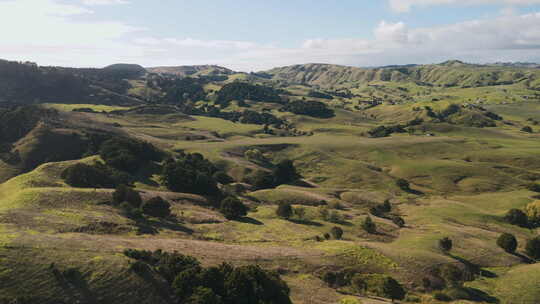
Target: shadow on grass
152	226
306	222
524	258
250	220
478	295
474	268
145	272
73	283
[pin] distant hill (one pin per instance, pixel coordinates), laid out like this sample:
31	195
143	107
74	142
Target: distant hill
192	70
451	73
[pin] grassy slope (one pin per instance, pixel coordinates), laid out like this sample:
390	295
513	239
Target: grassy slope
464	199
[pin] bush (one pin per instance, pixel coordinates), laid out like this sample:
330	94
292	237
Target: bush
157	207
403	184
384	286
533	248
88	176
445	244
337	232
533	213
527	129
399	221
369	226
517	217
232	208
285	172
508	242
127	194
534	187
284	210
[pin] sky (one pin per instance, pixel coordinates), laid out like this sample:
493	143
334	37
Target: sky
255	35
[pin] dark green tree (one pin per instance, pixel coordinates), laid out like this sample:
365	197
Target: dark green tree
337	232
232	208
532	248
157	207
508	242
517	217
222	178
284	210
123	193
202	295
369	226
403	184
285	172
445	244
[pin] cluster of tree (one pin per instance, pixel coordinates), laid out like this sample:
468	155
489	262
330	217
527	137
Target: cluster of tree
246	117
245	91
97	175
181	90
310	108
384	131
528	218
383	210
130	200
192	283
26	82
365	284
17	121
128	154
190	173
283	173
318	94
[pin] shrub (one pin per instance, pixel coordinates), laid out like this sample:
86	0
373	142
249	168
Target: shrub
527	129
533	213
516	217
232	208
336	232
285	172
534	187
445	244
284	210
369	226
127	194
327	235
350	300
384	286
157	207
399	221
533	248
403	184
508	242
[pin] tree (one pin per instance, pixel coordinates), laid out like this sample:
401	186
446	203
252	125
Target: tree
508	242
232	208
393	289
285	172
517	217
445	244
527	129
399	221
336	232
157	207
202	295
533	248
262	180
284	210
123	193
533	213
369	226
534	187
87	176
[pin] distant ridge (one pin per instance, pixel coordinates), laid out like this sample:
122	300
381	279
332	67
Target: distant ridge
191	70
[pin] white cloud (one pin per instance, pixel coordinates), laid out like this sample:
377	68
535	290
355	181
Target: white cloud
406	5
104	2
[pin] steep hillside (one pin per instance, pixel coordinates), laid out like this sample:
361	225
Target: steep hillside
448	74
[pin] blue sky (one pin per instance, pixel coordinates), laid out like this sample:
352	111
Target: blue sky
260	34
